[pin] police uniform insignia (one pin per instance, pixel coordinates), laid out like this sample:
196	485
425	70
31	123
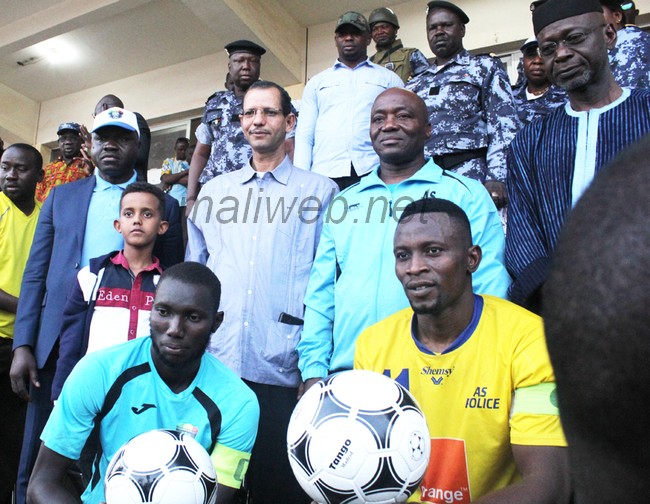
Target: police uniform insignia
390	65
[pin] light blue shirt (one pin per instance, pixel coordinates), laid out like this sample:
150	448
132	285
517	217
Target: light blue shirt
100	236
174	166
353	283
334	128
259	232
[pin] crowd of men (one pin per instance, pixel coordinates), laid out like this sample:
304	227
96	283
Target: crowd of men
367	232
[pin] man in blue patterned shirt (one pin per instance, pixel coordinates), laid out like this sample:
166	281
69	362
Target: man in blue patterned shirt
553	160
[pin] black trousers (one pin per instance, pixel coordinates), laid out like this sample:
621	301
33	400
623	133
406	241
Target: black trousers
269	479
13	424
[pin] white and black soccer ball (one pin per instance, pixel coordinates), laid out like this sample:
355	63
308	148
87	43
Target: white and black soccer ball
358	436
161	467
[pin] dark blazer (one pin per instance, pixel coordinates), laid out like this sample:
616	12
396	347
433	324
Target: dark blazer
54	261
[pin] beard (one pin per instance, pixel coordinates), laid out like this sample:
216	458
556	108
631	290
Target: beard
577	82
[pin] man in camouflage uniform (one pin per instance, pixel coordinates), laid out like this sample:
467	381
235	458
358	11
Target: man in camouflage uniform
630	58
406	62
469	101
534	95
221	146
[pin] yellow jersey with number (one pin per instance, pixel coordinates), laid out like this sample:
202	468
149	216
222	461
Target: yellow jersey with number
493	387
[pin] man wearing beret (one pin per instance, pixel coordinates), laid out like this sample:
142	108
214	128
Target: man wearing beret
221	146
332	137
470	104
69	166
553	160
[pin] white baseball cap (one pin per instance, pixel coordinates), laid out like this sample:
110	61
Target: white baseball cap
116	116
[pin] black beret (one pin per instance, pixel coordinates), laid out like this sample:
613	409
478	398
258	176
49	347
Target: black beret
244	46
549	12
441	4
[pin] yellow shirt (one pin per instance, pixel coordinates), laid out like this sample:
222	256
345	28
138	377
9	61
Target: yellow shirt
492	388
16	235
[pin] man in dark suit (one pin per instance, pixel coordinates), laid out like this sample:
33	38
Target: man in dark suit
76	223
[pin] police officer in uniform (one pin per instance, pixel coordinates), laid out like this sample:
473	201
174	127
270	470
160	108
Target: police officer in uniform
535	95
630	58
404	61
470	104
221	146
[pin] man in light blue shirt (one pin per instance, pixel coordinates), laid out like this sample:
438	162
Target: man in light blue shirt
258	229
353	283
332	135
75	224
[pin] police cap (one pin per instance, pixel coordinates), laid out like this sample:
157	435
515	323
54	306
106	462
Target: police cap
69	126
244	46
441	4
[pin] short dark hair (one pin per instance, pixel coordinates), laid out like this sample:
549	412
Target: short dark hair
613	5
438	205
146	187
195	274
598	329
182	140
37	158
285	99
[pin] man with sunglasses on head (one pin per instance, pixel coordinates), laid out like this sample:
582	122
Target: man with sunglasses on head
553	160
535	95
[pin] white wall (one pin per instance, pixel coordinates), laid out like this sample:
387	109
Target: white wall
181	90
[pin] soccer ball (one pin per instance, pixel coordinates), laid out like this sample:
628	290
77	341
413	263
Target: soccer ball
358	436
161	467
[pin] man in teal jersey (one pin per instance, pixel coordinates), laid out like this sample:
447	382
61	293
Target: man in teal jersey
153	383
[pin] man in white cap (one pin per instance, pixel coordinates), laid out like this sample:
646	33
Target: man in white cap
76	223
535	95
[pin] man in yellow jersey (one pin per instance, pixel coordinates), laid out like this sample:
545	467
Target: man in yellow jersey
478	366
21	169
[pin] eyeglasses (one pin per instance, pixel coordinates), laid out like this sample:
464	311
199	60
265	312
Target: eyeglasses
548	49
266	112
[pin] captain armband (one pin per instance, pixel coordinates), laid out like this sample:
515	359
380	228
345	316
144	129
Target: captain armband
538	399
230	465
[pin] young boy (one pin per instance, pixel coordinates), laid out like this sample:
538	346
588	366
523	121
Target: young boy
112	299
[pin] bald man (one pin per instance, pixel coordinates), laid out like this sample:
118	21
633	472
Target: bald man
356	246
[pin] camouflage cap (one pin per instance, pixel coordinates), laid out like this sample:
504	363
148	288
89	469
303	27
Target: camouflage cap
69	126
355	19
